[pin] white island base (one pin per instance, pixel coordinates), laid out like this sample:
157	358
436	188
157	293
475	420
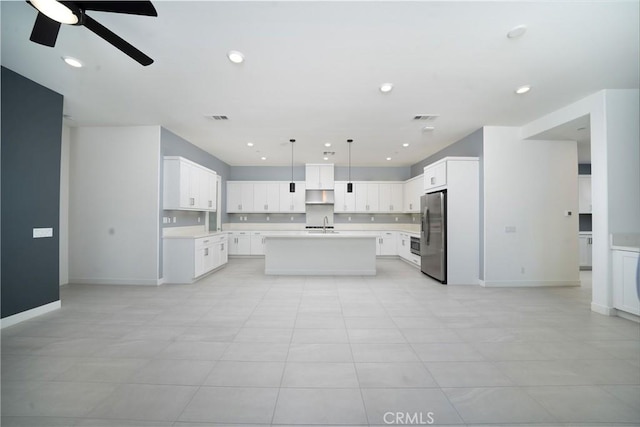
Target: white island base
320	254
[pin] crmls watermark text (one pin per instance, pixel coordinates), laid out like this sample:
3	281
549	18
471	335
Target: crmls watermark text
408	418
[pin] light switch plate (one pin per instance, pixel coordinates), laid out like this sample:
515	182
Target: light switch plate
39	233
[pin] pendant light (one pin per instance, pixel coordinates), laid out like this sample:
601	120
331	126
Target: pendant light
292	185
349	184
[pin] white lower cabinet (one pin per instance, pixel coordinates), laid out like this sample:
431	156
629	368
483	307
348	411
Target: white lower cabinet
184	260
404	249
387	244
625	285
257	243
585	245
240	243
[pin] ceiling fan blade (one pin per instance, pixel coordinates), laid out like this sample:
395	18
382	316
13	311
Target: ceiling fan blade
116	40
45	30
130	7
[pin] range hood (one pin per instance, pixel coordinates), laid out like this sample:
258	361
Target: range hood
319	197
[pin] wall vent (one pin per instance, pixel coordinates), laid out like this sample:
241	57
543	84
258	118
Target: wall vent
219	117
426	117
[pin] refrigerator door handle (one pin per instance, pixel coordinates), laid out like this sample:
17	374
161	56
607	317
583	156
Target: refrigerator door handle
428	219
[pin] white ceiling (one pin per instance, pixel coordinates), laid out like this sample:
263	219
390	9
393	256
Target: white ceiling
313	69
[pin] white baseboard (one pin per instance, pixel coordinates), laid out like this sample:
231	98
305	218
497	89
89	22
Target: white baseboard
628	316
527	284
147	282
29	314
602	309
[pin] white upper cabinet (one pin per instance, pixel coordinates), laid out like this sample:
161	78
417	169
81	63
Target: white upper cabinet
188	186
413	189
435	175
239	196
584	194
292	202
344	202
391	197
319	177
266	196
367	196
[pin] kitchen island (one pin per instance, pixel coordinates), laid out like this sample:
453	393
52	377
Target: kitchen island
321	254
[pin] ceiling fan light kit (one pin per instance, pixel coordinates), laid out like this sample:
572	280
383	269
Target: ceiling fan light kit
52	13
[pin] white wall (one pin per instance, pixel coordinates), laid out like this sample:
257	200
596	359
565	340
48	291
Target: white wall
114	205
63	228
614	164
529	185
623	155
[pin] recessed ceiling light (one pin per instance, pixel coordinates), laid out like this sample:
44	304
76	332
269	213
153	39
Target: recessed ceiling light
516	32
327	144
388	158
406	144
386	87
235	56
72	61
428	128
325	158
523	89
263	158
250	144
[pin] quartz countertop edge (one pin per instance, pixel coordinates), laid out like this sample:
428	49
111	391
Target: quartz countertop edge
625	248
195	236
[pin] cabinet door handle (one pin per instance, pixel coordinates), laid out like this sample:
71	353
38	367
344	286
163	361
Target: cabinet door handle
433	180
239	207
390	207
210	203
266	207
205	241
206	251
192	201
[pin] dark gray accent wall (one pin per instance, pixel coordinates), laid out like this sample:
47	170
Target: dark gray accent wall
31	143
173	145
469	146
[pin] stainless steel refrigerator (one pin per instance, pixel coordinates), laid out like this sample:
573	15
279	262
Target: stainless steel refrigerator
433	235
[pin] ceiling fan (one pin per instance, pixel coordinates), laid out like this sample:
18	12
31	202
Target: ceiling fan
52	13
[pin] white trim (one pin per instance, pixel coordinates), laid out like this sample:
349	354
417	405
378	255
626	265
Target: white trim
601	309
149	282
29	314
527	284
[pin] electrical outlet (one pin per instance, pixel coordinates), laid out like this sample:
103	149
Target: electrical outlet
39	233
267	217
349	218
198	220
396	219
291	218
174	219
372	219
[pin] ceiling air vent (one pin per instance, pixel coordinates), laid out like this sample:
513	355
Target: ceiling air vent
426	117
219	117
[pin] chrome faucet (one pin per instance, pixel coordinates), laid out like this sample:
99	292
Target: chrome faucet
324	224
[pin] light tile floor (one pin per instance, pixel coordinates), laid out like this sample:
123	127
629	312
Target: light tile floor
243	348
